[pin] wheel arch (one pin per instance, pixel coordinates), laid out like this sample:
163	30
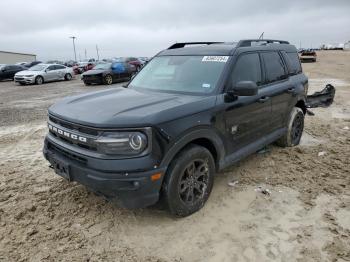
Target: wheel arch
206	138
302	105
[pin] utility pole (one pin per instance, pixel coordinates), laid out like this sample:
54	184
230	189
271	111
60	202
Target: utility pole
98	56
75	54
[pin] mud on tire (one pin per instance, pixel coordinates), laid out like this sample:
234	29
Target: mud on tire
295	129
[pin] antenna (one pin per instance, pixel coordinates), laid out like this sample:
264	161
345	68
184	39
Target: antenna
261	36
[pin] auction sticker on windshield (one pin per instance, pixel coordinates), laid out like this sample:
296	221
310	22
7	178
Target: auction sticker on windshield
222	59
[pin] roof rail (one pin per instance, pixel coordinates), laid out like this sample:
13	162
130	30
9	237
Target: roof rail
181	45
249	42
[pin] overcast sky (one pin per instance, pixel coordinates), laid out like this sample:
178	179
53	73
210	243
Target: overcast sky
144	27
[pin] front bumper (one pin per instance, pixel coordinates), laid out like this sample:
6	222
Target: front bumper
25	80
127	189
92	79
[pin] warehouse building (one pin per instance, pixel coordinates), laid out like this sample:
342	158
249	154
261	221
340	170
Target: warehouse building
12	58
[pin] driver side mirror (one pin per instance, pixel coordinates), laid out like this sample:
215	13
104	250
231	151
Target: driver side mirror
244	88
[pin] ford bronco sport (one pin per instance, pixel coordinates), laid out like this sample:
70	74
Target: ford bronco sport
193	110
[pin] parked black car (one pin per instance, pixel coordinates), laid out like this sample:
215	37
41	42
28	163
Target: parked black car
108	73
9	71
30	64
189	113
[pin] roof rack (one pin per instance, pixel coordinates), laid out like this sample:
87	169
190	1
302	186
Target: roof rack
181	45
249	42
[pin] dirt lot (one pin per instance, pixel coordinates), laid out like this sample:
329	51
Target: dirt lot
305	218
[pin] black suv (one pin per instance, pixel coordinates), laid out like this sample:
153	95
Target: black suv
195	109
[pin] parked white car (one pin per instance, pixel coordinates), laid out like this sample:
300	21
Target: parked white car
42	73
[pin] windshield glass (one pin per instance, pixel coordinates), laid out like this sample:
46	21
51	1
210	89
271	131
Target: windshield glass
38	68
2	66
102	66
193	74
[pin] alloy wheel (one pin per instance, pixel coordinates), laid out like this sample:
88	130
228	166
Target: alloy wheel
194	182
297	128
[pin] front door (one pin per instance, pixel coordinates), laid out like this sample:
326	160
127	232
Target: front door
50	73
248	117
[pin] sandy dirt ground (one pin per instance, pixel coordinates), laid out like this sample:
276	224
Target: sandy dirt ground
306	217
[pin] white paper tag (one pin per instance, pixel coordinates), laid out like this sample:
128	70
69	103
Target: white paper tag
222	59
205	85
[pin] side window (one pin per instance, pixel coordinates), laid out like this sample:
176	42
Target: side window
295	66
60	67
247	68
11	68
50	68
275	68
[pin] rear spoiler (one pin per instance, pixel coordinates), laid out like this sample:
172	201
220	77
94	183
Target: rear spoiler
322	98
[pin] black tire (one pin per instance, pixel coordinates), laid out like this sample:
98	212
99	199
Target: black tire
68	77
295	129
87	84
188	181
108	80
39	80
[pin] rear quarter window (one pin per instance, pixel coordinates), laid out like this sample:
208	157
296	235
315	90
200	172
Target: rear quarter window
294	63
274	67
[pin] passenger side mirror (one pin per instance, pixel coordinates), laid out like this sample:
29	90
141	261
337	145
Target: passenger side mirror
245	88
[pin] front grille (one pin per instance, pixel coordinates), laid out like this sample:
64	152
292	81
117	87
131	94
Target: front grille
71	126
91	77
89	134
19	78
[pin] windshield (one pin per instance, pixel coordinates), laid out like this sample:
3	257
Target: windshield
38	68
193	74
102	66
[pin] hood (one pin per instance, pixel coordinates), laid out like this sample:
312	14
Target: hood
94	72
122	107
27	72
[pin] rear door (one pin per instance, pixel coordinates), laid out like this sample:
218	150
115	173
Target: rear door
60	71
278	87
248	117
50	73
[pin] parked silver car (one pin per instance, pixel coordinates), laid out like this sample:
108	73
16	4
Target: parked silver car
41	73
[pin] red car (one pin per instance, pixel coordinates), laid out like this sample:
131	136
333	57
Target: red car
131	61
82	67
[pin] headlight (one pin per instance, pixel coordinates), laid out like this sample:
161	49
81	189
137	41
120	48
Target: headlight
122	143
29	75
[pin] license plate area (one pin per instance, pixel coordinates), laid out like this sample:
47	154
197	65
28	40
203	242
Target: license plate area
61	168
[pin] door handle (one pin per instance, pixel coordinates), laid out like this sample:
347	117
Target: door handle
291	90
263	99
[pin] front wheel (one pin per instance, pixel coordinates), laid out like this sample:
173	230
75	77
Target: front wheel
39	80
295	129
108	80
189	181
